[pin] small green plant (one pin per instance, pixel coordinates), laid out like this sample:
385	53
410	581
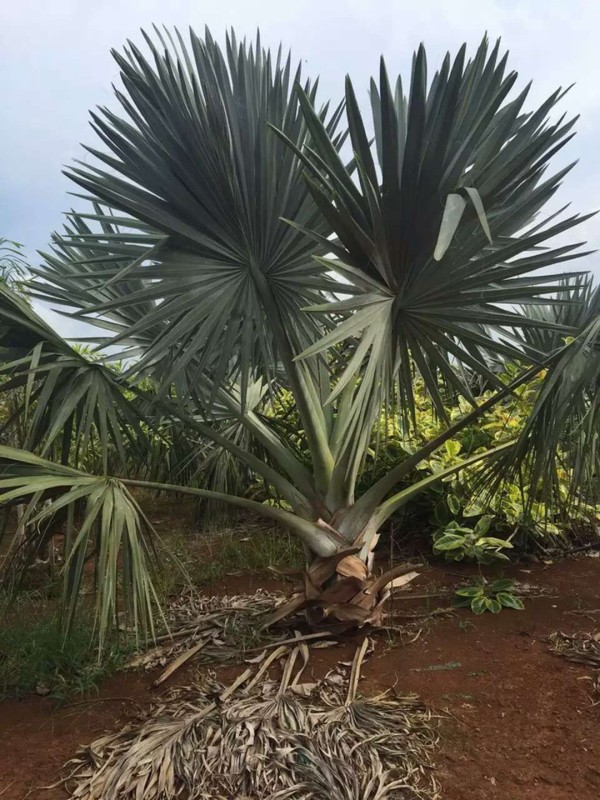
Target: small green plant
491	596
458	542
36	658
205	560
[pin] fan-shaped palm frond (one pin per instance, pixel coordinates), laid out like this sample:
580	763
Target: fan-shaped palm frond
67	402
558	448
101	517
90	243
197	184
562	317
435	231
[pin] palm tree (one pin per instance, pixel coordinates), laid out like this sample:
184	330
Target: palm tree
233	236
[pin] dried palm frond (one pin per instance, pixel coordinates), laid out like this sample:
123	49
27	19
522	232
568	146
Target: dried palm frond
584	648
581	647
331	775
212	630
153	761
397	728
266	738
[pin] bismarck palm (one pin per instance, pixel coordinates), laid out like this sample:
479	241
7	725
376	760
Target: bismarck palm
236	238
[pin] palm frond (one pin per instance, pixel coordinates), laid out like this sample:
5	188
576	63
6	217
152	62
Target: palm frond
575	306
192	260
437	230
558	448
102	520
68	403
13	266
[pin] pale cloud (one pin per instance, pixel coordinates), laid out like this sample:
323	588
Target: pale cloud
56	65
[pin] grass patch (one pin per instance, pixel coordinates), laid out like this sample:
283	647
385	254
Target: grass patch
35	657
204	559
258	552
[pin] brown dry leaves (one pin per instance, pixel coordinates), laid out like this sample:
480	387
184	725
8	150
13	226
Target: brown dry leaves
582	647
267	738
211	630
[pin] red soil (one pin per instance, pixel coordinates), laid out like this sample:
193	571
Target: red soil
520	722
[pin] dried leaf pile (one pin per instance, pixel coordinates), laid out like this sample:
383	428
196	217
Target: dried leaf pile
211	630
582	647
267	739
220	630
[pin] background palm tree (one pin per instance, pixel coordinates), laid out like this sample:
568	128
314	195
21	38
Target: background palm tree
227	242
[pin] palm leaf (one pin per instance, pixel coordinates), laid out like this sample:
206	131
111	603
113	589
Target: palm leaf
558	447
102	519
437	230
189	260
68	404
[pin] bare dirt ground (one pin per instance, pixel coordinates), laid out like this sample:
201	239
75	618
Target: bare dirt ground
517	722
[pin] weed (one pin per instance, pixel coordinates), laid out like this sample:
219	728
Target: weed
392	637
243	634
35	657
260	551
202	560
482	596
438	667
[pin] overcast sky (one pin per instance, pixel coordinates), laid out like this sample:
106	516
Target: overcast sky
56	65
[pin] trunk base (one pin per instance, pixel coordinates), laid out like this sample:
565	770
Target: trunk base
339	594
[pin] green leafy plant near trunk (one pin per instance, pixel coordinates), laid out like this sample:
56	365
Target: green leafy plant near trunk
238	234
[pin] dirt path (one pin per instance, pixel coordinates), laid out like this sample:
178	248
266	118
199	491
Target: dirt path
520	726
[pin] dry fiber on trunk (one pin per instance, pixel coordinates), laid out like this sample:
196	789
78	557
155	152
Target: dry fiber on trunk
339	592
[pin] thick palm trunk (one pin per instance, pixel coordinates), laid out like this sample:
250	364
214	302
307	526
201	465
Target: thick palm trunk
342	590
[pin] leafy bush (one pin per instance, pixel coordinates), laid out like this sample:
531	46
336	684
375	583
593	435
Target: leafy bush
491	596
457	542
513	512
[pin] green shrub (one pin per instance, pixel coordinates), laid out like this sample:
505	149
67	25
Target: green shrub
491	596
456	542
36	658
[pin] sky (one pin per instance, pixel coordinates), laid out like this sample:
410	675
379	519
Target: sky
55	65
